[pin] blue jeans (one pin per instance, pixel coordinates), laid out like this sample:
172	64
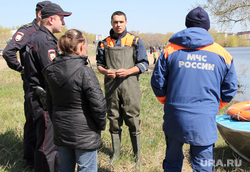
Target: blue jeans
86	160
201	157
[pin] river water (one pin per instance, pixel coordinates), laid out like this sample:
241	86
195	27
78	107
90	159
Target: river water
241	57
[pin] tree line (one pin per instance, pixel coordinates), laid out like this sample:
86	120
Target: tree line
153	39
149	39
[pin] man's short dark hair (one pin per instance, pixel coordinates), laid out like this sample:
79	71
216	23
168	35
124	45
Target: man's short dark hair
119	13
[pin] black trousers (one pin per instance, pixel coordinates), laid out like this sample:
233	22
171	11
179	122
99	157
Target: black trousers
29	135
46	156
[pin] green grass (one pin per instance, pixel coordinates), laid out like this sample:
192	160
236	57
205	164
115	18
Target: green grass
152	137
11	121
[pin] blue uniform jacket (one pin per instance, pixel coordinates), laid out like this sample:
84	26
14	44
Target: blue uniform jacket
192	78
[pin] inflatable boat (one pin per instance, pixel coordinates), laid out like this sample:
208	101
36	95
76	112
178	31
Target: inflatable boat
236	133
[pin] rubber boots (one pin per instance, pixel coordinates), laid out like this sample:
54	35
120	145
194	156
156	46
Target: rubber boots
136	144
116	144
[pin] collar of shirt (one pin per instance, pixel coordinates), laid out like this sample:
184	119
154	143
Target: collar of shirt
112	34
49	34
34	23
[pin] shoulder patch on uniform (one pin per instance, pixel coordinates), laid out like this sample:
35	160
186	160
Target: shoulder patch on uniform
19	36
51	54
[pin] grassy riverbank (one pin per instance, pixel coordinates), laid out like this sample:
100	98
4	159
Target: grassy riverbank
152	138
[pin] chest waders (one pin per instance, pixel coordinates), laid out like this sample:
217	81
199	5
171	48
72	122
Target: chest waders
123	99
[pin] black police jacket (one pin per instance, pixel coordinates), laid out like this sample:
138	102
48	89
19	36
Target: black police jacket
41	50
18	43
75	102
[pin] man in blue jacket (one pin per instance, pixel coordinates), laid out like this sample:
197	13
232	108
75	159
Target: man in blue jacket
193	78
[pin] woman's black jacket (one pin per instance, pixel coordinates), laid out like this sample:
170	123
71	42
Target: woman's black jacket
75	102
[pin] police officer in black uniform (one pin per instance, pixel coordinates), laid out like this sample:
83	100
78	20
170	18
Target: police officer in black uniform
18	43
41	50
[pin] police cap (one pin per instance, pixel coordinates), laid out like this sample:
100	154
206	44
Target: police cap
53	9
40	5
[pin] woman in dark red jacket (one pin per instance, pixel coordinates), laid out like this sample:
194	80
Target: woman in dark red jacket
76	104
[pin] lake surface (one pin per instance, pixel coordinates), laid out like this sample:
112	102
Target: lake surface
241	57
